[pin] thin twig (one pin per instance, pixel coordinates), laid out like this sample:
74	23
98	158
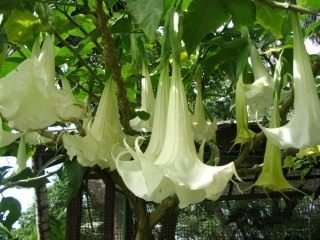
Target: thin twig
81	60
287	5
71	19
26	181
111	61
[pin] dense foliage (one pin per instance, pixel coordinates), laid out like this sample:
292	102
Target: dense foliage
128	41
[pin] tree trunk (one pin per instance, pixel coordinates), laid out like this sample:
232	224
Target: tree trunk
41	192
144	232
168	225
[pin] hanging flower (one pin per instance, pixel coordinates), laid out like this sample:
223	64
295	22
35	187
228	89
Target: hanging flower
203	129
244	134
147	103
103	136
176	168
138	172
21	157
259	93
272	176
34	102
302	129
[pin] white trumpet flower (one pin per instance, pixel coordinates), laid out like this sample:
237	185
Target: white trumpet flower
303	128
34	102
244	134
136	173
203	129
103	136
147	103
176	168
21	157
271	176
259	94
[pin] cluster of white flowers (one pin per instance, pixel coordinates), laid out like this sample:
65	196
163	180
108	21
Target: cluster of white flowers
30	100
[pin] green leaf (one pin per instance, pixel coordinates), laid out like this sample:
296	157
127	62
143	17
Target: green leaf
313	4
3	172
21	25
143	115
5	231
122	25
13	206
25	179
10	64
202	17
243	12
75	173
147	14
85	21
288	162
227	53
271	19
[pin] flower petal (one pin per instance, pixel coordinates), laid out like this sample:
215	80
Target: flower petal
103	136
147	103
34	101
302	129
173	167
21	157
271	175
244	134
203	129
259	94
140	175
6	138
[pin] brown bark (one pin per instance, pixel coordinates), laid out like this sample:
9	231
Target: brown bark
41	192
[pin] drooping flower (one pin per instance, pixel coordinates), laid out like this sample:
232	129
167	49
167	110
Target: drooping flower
103	136
272	176
303	127
147	103
21	157
259	93
138	172
203	129
34	101
176	168
244	134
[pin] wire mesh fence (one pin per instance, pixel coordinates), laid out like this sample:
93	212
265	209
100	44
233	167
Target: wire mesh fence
269	218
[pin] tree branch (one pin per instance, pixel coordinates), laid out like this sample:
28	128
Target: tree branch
27	181
138	205
112	62
81	60
162	209
71	19
287	5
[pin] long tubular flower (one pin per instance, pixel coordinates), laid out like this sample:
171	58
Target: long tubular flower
178	158
244	134
203	129
34	101
103	136
147	103
176	168
303	128
259	93
21	157
272	176
138	172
